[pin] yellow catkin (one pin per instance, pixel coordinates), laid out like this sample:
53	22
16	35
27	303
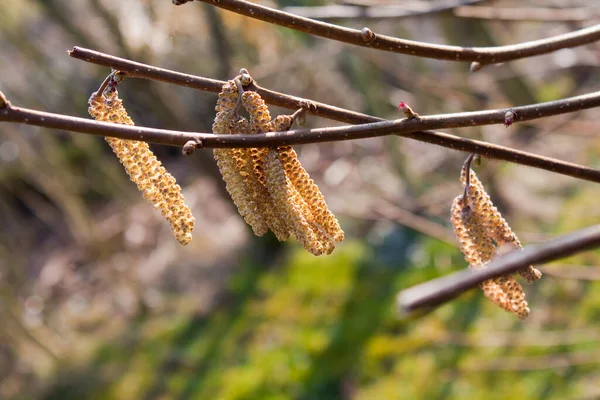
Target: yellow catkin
288	203
265	195
479	249
230	161
497	227
143	168
252	172
312	202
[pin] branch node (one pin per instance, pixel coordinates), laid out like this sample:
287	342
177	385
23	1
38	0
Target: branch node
476	66
367	35
4	103
509	118
190	146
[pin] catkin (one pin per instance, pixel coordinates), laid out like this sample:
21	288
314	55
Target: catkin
496	226
143	168
288	203
268	185
306	214
479	249
231	162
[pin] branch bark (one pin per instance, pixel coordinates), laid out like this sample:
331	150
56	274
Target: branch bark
410	128
438	291
366	38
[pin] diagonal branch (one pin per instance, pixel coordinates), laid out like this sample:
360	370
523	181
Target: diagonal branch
410	128
135	69
438	291
366	38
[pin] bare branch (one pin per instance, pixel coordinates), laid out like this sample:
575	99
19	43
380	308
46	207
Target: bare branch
138	70
405	128
438	291
482	55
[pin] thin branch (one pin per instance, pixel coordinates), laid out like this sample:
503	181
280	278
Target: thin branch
138	70
366	38
410	128
438	291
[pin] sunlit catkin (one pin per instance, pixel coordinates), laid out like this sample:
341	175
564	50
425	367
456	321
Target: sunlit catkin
143	168
289	204
297	199
479	249
496	226
232	163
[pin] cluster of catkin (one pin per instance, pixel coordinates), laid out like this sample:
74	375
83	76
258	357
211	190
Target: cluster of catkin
481	230
269	186
142	166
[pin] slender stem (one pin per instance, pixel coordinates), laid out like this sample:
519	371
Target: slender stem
467	167
409	128
138	70
482	55
438	291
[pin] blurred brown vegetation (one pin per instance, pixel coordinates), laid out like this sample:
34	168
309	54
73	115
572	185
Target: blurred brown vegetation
98	300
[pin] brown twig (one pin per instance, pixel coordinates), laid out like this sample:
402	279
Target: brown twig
481	55
138	70
438	291
410	128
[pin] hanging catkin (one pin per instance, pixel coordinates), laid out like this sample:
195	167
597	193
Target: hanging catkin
479	249
268	185
481	229
142	166
496	226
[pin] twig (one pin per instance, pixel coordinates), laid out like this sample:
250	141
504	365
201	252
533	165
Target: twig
410	128
346	11
366	38
438	291
138	70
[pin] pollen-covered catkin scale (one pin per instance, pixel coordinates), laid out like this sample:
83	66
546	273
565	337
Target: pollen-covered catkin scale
289	204
479	249
229	161
252	171
497	227
144	169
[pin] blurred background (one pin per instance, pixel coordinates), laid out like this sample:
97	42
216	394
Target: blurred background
99	301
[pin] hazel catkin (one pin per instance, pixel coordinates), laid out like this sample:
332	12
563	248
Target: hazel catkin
496	226
231	161
478	247
143	168
268	185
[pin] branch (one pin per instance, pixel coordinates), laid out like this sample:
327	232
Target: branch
438	291
410	128
366	38
138	70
